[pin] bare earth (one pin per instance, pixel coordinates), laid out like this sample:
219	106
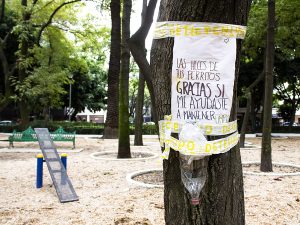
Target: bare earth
105	197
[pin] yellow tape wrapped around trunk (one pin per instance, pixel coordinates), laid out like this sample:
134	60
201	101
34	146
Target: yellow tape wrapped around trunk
196	147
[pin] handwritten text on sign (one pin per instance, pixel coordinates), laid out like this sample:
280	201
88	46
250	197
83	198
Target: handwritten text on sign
203	78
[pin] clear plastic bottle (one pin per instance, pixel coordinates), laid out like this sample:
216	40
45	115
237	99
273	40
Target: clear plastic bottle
193	175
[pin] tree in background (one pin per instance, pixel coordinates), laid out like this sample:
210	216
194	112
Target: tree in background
138	122
89	89
38	72
266	147
137	43
287	60
111	123
8	47
287	88
222	196
250	81
124	140
133	95
32	20
286	52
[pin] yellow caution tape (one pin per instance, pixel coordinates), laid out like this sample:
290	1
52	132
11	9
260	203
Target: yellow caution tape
206	128
197	147
194	29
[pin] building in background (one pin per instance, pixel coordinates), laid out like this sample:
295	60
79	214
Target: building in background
93	117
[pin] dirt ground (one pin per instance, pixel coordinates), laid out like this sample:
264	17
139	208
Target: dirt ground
105	197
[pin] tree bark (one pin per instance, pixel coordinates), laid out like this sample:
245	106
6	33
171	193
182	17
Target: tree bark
223	194
124	141
111	123
266	145
138	121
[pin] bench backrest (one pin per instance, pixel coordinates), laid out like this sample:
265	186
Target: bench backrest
29	134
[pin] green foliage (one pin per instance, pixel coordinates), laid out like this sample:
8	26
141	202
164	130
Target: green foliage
287	42
254	43
287	88
288	33
69	45
287	38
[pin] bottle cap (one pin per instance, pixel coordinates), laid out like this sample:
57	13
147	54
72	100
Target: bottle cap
195	201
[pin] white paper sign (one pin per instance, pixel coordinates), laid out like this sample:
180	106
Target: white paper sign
203	78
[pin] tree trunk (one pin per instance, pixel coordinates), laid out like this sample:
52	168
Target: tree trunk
24	47
245	121
124	141
138	121
137	43
24	113
111	123
266	148
7	74
253	114
293	113
223	195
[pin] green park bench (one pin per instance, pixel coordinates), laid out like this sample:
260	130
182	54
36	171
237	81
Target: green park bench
29	135
61	135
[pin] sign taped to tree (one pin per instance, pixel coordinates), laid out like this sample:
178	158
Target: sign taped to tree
203	75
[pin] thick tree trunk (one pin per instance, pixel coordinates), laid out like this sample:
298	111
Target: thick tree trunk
111	123
223	195
138	122
266	146
124	141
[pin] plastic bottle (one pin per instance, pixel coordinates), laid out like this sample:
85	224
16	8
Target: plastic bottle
193	175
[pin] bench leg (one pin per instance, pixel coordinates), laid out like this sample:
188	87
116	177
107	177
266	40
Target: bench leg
11	144
74	144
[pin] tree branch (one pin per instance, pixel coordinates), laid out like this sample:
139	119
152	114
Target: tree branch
34	2
136	43
45	25
142	32
283	94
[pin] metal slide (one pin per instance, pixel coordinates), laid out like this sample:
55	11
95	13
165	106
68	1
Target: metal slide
61	181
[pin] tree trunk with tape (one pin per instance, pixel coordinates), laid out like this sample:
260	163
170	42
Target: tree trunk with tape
222	198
